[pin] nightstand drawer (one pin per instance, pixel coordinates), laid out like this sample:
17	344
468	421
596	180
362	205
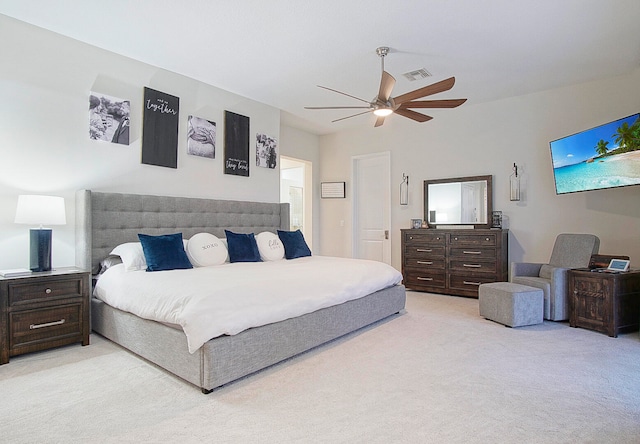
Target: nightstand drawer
42	290
46	324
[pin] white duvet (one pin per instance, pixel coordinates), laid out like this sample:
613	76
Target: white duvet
226	299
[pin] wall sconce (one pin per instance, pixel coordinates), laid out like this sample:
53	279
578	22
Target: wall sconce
404	190
40	210
514	184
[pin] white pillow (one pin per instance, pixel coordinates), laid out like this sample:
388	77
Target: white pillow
205	249
270	246
132	255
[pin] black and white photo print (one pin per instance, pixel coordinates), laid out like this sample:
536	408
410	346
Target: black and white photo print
109	118
201	137
266	151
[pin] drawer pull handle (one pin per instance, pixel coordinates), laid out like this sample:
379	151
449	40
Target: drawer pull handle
425	262
472	252
424	279
47	324
471	283
48	291
472	265
424	250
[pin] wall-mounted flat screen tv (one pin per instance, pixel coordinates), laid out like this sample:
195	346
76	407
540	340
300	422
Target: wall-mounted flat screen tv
607	156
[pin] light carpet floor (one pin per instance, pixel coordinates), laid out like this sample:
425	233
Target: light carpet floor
438	373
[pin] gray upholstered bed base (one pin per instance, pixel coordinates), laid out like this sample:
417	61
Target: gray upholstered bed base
107	219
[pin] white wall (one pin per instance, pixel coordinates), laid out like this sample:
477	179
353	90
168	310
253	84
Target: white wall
487	139
45	80
304	146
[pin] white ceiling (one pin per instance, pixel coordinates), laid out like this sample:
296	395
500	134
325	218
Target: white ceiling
277	51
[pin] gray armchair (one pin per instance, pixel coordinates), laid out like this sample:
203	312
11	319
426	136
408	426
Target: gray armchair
569	251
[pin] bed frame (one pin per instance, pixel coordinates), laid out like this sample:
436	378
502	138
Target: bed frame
104	220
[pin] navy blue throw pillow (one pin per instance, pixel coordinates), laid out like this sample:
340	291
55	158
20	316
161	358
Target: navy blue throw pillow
164	252
242	247
294	244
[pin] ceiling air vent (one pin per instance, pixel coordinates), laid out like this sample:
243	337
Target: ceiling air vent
417	74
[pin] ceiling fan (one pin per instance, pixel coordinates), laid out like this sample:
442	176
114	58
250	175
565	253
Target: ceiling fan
383	104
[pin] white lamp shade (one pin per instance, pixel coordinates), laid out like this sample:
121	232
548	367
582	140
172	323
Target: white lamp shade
40	210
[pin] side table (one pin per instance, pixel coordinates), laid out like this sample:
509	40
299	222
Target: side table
604	302
43	310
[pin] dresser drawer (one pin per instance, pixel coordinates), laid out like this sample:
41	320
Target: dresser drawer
43	290
478	240
472	265
425	237
421	278
425	264
46	324
469	282
473	253
423	252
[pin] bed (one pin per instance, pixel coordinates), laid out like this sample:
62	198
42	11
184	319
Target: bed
104	220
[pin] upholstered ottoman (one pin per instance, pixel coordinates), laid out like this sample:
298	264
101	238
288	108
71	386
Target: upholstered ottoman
513	305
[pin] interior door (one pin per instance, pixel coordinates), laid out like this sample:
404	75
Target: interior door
372	207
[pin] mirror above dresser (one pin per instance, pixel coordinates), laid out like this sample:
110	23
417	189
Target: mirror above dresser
463	202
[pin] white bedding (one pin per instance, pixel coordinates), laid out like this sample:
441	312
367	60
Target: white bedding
226	299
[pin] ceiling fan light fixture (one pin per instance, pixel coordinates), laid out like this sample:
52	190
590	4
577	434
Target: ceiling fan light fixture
383	112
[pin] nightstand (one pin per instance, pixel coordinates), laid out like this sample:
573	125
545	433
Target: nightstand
604	302
43	310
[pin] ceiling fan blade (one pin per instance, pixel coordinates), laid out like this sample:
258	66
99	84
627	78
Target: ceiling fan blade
337	107
348	117
344	94
413	115
435	88
379	121
386	86
434	104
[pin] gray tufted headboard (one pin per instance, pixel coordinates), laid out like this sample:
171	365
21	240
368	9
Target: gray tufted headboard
105	220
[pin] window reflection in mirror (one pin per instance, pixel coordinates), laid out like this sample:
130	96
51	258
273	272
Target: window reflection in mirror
460	201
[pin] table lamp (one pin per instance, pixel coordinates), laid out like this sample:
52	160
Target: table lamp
40	210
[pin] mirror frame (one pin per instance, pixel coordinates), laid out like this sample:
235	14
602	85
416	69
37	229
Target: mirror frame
488	178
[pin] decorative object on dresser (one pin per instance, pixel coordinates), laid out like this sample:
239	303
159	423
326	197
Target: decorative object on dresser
40	210
453	261
43	310
461	202
604	302
569	251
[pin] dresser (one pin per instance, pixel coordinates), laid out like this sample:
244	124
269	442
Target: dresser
454	261
604	302
43	310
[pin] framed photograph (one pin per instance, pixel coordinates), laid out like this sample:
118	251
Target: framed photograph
266	151
333	190
416	223
201	137
109	118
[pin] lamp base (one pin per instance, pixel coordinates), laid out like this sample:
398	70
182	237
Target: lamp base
40	249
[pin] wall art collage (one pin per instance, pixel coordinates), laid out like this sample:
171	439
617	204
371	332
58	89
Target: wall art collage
109	121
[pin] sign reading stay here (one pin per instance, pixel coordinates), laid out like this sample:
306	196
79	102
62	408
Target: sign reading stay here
236	144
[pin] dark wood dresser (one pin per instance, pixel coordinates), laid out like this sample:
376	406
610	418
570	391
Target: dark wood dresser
454	261
43	310
604	302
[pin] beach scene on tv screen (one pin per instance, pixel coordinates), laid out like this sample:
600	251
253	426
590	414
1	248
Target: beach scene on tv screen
606	156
